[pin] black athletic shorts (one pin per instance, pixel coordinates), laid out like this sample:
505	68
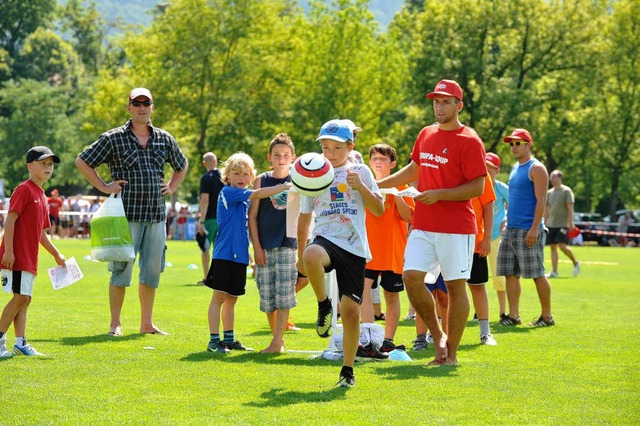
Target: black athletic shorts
389	280
349	269
479	270
227	276
557	236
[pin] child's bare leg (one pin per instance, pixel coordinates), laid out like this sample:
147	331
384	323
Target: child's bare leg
15	312
217	299
229	312
351	329
277	342
366	309
315	259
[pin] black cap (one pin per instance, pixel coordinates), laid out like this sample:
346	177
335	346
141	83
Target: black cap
39	153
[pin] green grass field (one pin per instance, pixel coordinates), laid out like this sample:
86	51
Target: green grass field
583	371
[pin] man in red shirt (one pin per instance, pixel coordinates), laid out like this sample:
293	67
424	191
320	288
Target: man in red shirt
448	163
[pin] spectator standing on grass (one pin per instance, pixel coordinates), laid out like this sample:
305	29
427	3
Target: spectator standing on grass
448	160
210	187
228	272
483	209
387	236
27	220
558	217
55	204
339	239
624	221
521	252
499	222
274	252
136	154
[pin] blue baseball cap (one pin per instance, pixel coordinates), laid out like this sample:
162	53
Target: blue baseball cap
336	130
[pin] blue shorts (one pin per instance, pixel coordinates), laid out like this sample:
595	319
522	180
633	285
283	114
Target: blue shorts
149	244
438	285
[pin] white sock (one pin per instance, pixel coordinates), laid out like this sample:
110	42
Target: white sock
21	341
484	327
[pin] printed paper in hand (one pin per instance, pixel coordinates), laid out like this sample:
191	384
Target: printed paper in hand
408	192
63	277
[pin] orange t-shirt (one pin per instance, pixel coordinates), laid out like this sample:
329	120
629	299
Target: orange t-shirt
387	235
488	196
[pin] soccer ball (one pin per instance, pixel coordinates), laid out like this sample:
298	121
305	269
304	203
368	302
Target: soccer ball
311	174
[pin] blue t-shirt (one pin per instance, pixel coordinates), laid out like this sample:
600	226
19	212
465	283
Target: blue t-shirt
522	196
499	211
232	240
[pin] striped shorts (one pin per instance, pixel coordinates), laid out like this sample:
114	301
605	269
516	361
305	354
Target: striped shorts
516	258
277	279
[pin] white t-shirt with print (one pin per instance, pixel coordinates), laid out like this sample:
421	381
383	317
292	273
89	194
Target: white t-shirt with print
340	212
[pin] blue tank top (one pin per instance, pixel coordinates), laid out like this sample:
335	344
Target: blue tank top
522	197
272	216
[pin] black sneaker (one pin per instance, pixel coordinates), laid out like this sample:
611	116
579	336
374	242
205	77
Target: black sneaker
324	326
507	320
370	353
347	380
503	316
237	346
541	322
388	346
217	347
380	317
475	317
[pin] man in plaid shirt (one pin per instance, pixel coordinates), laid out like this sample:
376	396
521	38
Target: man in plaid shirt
136	154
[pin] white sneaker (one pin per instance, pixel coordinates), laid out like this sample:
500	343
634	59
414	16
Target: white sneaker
576	269
4	353
553	274
488	340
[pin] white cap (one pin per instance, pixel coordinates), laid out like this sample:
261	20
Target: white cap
352	126
140	91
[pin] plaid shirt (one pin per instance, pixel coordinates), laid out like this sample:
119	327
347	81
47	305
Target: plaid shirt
143	169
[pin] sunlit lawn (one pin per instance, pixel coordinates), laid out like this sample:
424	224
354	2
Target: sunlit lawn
583	371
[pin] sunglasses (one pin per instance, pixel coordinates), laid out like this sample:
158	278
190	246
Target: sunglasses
139	103
518	143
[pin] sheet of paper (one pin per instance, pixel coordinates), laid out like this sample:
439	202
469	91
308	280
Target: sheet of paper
408	192
63	277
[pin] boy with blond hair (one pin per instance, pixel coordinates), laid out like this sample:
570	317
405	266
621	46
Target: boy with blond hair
228	272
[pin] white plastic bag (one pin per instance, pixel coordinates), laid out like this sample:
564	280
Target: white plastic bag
369	333
110	234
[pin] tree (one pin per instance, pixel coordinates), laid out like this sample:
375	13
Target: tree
618	104
19	18
87	30
46	57
37	116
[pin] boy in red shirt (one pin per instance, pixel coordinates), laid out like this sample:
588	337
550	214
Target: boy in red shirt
27	220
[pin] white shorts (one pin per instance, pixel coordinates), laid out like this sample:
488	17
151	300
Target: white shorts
426	251
18	282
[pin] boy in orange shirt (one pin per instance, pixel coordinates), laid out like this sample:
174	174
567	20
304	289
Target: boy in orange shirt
387	240
483	209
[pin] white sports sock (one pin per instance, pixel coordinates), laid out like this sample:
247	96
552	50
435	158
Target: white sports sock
21	341
484	327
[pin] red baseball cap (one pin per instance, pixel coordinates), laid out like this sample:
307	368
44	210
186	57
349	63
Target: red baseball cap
492	159
446	88
518	135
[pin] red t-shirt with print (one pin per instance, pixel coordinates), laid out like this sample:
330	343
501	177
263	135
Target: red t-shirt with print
29	201
447	159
